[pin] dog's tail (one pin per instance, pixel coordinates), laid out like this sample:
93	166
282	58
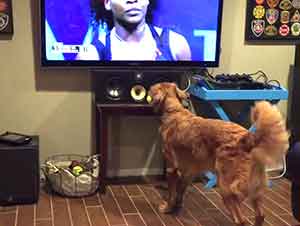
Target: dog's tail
271	137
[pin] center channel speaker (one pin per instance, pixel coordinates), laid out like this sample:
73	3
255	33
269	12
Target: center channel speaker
128	87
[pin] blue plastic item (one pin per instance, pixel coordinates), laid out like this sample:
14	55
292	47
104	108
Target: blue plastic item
258	94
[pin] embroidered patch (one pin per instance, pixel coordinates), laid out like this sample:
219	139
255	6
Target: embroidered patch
285	5
284	30
4	19
259	12
272	3
296	4
271	30
272	15
285	17
257	27
296	17
295	29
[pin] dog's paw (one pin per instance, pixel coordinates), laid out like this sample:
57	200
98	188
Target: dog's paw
164	207
259	220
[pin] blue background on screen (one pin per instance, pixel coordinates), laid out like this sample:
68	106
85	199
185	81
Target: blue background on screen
68	21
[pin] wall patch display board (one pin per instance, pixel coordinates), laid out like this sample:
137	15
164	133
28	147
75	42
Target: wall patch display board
6	22
273	21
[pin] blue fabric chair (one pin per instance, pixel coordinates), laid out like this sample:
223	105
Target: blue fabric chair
293	172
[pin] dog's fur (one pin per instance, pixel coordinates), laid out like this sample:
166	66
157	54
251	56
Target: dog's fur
193	144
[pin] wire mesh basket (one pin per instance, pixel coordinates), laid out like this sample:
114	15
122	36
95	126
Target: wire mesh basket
72	175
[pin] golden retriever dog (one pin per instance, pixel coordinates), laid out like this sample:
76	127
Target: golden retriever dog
192	145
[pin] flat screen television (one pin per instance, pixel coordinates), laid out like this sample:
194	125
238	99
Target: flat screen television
131	33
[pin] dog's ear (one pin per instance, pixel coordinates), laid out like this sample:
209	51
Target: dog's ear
181	94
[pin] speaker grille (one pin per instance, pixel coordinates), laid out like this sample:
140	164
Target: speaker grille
114	88
128	87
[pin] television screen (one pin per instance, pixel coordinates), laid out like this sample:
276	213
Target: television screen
103	33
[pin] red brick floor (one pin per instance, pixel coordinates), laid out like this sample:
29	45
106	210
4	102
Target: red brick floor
136	205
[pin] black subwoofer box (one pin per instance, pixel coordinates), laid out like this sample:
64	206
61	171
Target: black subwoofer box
128	87
19	173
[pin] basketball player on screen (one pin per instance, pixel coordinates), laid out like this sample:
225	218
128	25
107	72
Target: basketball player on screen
132	38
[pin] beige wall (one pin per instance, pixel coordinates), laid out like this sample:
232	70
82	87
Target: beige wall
56	104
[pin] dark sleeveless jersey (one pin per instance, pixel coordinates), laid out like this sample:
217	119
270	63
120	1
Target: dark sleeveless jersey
162	43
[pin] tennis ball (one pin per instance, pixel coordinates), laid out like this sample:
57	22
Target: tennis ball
77	170
149	99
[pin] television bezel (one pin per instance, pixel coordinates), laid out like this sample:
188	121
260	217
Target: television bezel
136	65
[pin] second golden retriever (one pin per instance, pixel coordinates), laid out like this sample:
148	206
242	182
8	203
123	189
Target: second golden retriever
193	144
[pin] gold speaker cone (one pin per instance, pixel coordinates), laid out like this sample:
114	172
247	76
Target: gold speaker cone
138	93
149	99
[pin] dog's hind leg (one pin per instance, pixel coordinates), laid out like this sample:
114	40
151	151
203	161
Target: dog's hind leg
169	205
259	213
232	196
257	189
234	207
